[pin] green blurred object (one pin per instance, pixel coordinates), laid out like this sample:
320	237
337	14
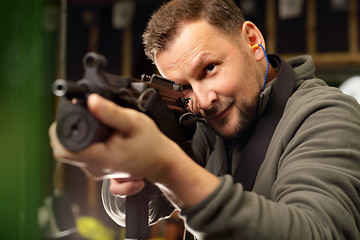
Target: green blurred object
27	69
93	229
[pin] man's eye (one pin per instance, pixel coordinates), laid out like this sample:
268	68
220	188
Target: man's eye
209	68
185	87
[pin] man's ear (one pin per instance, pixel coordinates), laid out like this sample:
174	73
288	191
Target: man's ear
254	38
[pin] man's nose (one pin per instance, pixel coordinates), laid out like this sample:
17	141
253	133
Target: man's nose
204	98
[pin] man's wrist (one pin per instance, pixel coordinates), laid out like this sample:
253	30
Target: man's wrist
184	182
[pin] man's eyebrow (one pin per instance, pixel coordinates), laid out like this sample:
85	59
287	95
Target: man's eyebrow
197	62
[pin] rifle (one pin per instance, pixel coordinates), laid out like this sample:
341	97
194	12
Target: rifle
158	97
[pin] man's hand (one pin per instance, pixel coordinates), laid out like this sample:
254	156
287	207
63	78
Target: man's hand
124	187
137	150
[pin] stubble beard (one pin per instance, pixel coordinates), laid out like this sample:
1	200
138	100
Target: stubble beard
236	127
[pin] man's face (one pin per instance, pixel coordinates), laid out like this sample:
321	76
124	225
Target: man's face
219	74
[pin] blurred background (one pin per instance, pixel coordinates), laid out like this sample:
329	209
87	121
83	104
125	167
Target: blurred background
44	40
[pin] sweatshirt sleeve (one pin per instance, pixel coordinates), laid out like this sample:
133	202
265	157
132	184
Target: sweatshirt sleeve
159	206
314	185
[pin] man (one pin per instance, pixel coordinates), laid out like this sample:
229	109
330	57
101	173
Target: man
307	184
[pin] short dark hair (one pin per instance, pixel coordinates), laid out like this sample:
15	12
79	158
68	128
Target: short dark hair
166	22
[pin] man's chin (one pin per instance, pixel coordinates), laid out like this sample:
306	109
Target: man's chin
226	132
230	131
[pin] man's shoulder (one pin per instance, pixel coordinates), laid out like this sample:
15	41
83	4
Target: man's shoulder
317	89
314	94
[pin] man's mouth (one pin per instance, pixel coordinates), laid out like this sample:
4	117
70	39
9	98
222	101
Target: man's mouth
220	113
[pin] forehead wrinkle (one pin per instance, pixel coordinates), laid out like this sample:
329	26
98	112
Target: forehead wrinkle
187	51
182	66
185	62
